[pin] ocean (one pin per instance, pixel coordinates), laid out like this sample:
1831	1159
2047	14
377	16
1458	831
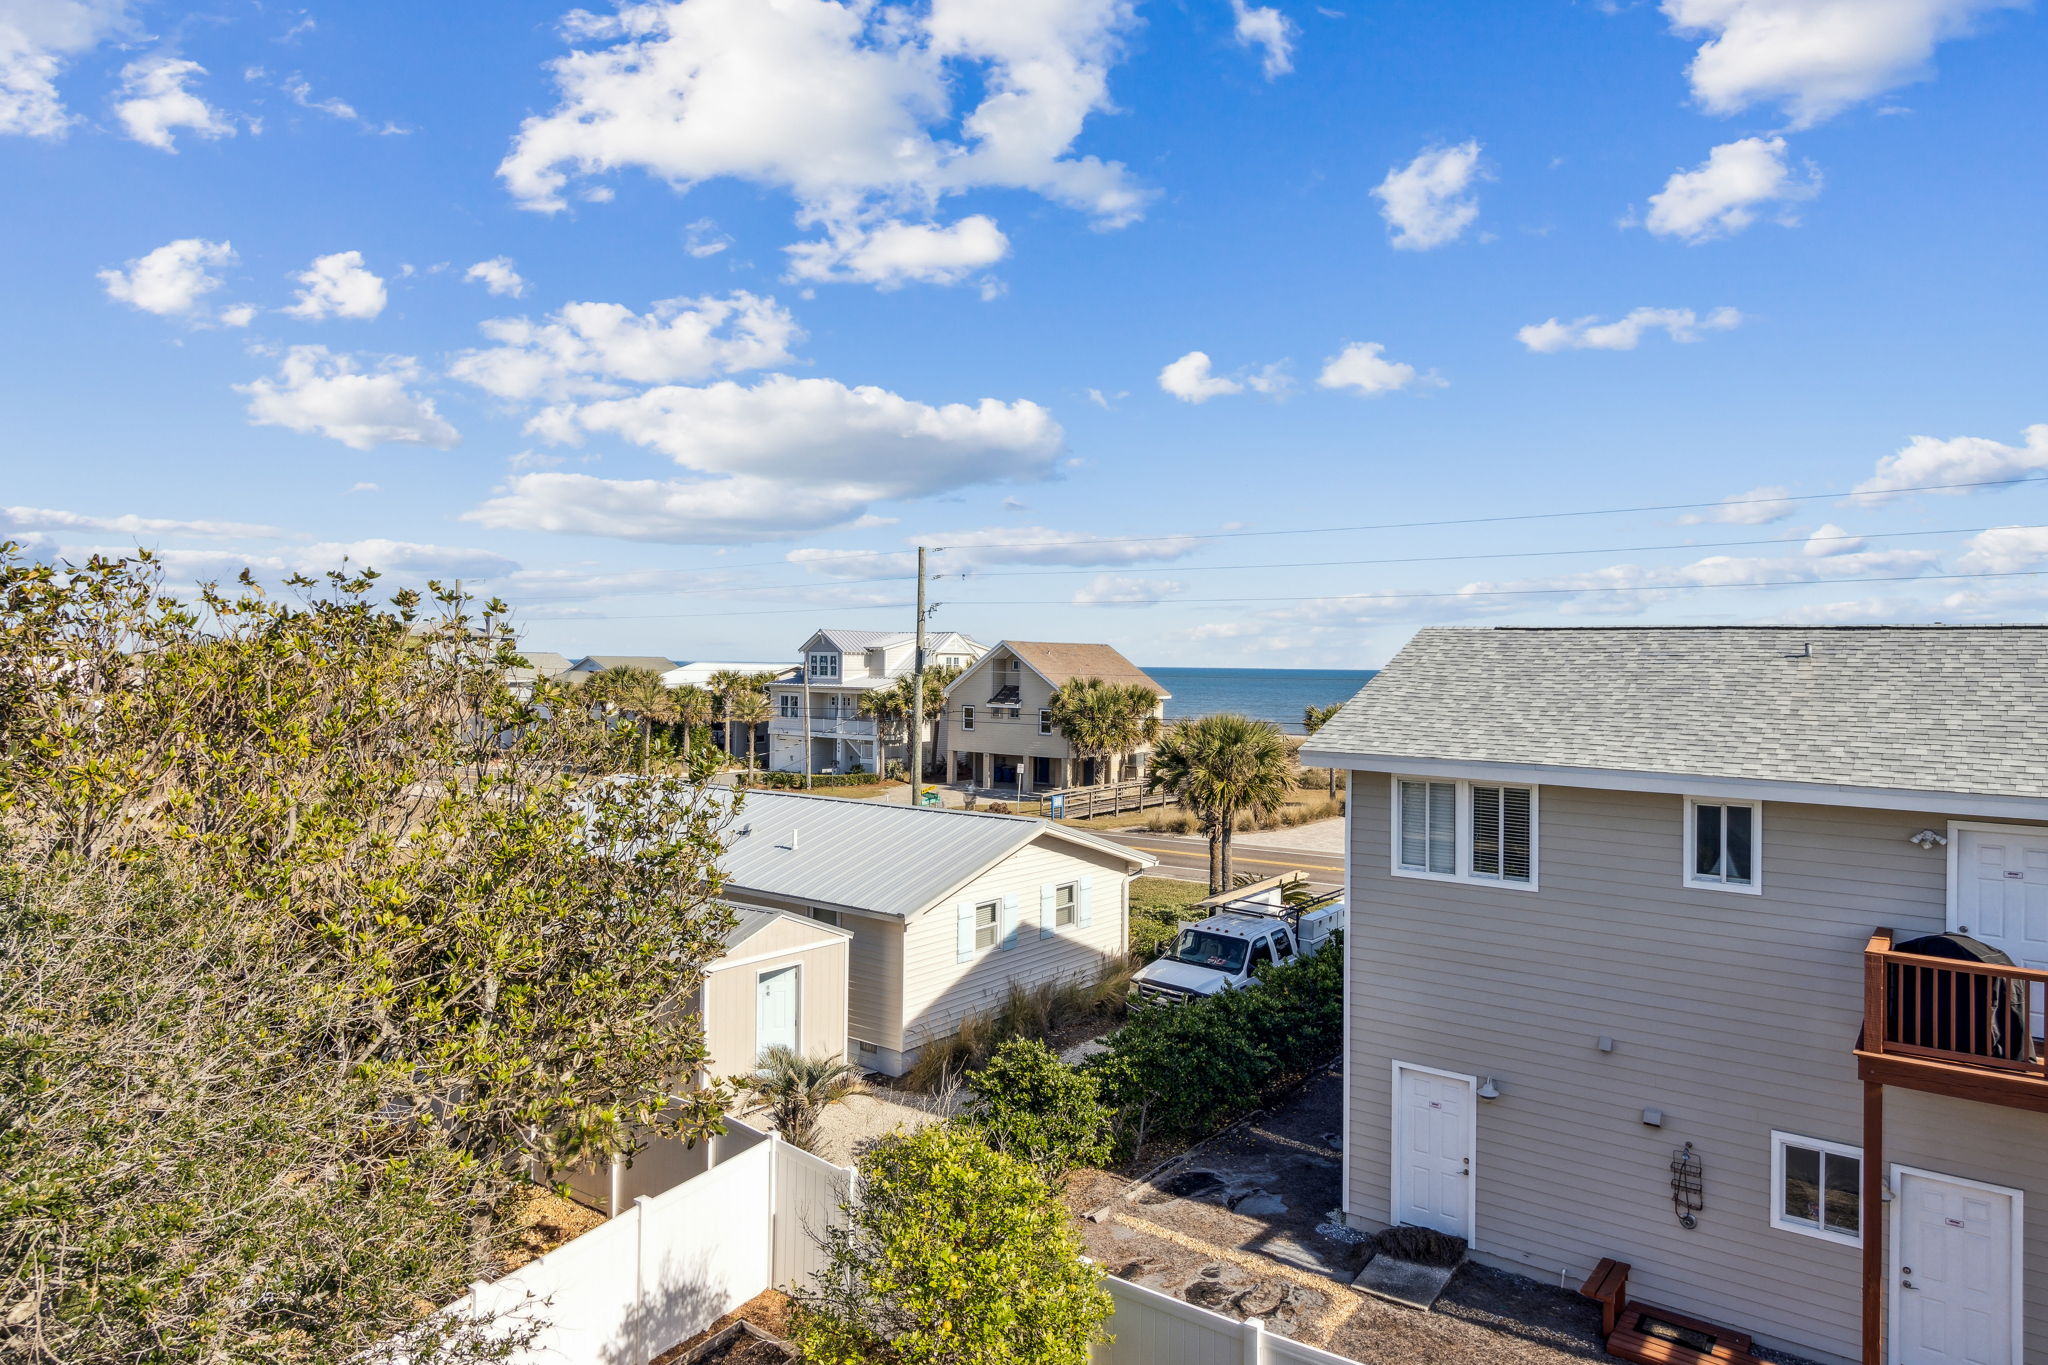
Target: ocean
1274	694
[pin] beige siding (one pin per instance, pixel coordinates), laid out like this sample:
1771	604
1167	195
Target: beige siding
1734	1014
731	1000
874	1005
939	988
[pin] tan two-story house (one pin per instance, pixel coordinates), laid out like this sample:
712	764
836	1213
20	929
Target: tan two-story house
1719	952
999	725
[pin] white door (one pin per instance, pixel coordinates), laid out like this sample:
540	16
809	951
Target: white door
2001	895
1433	1132
1955	1272
775	1015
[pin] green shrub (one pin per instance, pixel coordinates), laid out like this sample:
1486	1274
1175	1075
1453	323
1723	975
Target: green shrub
1182	1070
956	1254
819	781
1030	1104
1025	1012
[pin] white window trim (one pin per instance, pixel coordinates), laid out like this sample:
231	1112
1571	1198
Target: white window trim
1463	841
1075	922
967	718
1780	1141
1044	721
996	943
1755	885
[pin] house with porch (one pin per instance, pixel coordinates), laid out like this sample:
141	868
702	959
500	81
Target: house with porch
820	703
999	726
1720	953
945	910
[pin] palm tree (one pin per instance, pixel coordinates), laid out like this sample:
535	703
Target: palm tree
797	1088
1102	718
640	693
692	707
1314	718
889	707
1218	768
747	709
726	684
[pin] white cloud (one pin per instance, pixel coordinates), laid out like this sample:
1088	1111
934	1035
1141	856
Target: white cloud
339	286
892	255
847	106
301	93
52	519
593	349
155	102
702	238
1429	202
1961	459
1830	539
2006	549
238	315
777	459
1757	507
37	37
1591	334
171	280
965	551
1814	57
1363	368
1723	194
1189	379
1119	590
319	391
498	276
365	488
1268	30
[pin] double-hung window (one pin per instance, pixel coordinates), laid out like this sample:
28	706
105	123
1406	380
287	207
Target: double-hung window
823	665
1465	831
967	718
1045	721
1064	901
986	924
789	703
1817	1188
1723	845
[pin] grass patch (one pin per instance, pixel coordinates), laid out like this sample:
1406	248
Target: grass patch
1159	905
1026	1012
1303	808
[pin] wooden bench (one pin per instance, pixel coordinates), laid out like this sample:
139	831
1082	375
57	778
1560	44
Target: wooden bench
1658	1336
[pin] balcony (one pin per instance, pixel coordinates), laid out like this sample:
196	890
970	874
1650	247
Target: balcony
824	727
1967	1029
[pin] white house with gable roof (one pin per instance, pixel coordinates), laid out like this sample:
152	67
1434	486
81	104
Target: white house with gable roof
837	667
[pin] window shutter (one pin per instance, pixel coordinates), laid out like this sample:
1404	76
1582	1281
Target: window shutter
1083	911
1006	931
966	944
1046	911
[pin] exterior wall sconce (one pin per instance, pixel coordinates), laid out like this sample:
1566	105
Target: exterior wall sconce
1488	1090
1927	838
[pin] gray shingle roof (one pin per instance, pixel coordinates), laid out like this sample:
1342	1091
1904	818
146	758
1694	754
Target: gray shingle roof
1957	709
889	858
601	662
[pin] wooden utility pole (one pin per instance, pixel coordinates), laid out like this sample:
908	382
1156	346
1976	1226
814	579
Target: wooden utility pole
916	773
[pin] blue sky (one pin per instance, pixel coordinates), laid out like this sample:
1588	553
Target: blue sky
676	324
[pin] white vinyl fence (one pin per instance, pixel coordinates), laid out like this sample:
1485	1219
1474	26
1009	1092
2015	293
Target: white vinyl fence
668	1265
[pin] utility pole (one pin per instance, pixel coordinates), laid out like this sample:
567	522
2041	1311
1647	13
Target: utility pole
807	721
917	690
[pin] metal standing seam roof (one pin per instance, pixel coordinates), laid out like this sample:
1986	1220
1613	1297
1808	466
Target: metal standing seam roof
889	859
749	920
1955	709
609	661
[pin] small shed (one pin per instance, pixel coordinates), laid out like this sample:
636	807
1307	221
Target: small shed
782	980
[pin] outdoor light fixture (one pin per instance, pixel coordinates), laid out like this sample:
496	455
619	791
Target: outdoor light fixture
1488	1090
1927	838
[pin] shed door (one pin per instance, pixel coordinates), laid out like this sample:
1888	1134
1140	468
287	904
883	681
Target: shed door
2001	895
1433	1118
775	1014
1953	1273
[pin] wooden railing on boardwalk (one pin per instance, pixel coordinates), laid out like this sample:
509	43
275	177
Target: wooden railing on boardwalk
1111	798
1974	1014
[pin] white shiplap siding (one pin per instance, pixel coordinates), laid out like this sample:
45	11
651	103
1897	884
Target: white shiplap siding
1735	1015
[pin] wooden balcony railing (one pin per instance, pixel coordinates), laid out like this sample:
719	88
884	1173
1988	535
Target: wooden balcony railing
1934	1023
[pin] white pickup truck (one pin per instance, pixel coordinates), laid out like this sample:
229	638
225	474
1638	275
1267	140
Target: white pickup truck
1244	930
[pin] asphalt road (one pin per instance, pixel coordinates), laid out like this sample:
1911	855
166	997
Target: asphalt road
1188	859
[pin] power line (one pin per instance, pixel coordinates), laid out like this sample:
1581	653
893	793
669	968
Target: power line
1482	521
966	574
1526	592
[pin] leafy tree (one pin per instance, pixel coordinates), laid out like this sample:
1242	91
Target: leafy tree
1219	767
317	937
955	1254
1030	1104
1314	718
797	1088
1101	719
